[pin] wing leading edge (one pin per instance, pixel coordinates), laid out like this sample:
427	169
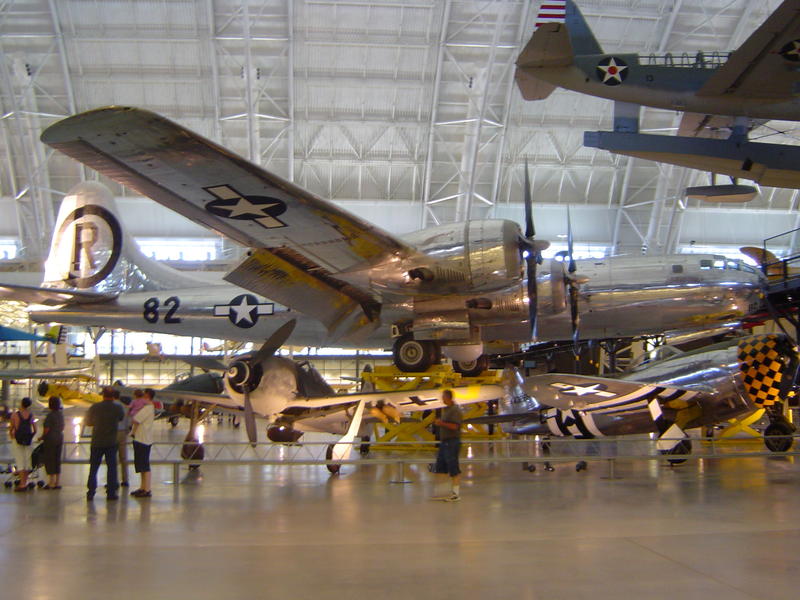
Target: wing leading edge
765	66
299	239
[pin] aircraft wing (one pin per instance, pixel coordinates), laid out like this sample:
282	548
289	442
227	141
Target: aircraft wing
301	243
405	401
45	373
48	296
765	66
579	392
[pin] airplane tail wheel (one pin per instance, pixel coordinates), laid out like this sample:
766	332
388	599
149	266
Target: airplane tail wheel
682	447
778	444
335	468
472	368
414	356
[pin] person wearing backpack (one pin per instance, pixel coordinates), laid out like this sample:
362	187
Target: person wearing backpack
21	430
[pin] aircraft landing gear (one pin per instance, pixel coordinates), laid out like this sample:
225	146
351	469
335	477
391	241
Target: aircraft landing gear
333	468
363	449
779	428
682	447
415	356
471	368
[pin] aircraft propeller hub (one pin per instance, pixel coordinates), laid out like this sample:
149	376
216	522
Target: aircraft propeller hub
242	373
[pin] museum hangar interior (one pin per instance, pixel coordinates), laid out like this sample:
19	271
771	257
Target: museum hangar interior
406	114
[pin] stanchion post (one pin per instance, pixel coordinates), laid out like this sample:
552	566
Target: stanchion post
402	478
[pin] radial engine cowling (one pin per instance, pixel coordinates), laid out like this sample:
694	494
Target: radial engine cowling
272	384
242	373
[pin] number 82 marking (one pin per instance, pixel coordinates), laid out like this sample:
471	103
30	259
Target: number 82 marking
150	310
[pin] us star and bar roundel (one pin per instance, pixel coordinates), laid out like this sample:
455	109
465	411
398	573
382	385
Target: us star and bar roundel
231	204
612	70
244	310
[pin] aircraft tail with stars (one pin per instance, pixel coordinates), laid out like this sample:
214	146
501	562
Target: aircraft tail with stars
559	34
90	251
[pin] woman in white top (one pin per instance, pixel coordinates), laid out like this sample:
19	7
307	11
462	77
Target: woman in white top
142	435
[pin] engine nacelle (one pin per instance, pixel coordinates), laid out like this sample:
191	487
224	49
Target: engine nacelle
473	257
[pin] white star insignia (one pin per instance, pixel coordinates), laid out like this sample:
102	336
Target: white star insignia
244	207
243	310
612	71
577	390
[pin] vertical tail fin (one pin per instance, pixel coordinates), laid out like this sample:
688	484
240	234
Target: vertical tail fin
560	33
580	36
87	241
91	251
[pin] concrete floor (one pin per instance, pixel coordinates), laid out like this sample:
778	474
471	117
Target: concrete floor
706	529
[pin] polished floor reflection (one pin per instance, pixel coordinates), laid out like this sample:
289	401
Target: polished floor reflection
702	530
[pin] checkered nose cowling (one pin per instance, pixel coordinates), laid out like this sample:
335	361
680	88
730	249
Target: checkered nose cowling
764	361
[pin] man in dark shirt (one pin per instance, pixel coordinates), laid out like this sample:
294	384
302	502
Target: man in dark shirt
449	444
104	418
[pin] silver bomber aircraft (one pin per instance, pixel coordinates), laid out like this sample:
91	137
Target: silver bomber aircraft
666	397
460	288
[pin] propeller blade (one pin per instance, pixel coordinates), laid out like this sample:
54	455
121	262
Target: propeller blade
275	341
530	230
249	418
533	296
573	309
573	286
572	266
206	363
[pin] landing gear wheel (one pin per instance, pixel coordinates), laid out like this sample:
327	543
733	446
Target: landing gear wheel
778	444
415	356
471	368
581	466
335	468
682	447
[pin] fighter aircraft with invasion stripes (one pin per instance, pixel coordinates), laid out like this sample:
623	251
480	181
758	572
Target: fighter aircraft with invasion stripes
666	397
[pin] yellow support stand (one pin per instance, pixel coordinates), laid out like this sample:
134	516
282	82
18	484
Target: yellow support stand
416	428
743	425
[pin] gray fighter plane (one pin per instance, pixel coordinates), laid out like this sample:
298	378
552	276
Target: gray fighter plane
666	397
459	288
715	91
294	398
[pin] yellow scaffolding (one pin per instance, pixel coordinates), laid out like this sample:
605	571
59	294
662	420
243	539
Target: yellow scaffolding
416	428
